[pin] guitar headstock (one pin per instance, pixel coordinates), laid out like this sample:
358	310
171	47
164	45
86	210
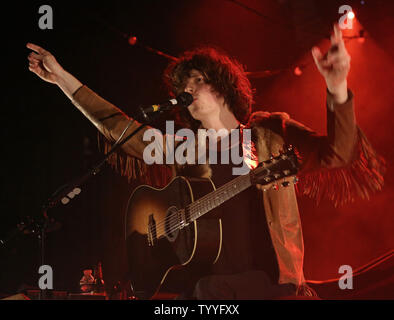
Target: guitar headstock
276	168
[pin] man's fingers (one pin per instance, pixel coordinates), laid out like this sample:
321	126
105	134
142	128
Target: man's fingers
339	44
325	64
336	62
37	70
317	56
316	53
320	60
337	38
36	56
341	64
31	59
328	59
337	32
333	40
336	57
36	48
33	68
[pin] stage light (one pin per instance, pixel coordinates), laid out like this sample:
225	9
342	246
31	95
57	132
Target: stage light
297	71
132	40
351	15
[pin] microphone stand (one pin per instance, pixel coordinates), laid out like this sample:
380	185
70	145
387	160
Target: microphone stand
73	188
67	192
70	187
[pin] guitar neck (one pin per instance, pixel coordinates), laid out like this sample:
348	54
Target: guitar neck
214	199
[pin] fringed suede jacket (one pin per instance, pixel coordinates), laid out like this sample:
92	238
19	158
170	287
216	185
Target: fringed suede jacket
340	166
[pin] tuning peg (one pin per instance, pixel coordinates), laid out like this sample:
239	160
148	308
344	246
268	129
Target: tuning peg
295	180
269	160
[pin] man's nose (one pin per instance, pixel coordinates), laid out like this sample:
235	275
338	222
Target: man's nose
189	89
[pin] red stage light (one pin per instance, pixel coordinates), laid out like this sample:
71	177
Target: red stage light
132	40
297	71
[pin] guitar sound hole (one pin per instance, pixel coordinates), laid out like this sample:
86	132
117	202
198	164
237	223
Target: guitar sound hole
172	223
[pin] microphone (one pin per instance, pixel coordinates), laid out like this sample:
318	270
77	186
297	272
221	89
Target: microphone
183	100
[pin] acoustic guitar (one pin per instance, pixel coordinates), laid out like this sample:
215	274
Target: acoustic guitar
173	234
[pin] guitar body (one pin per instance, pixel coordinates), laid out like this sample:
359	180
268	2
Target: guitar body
177	257
170	241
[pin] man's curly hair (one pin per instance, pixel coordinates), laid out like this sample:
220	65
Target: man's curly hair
224	74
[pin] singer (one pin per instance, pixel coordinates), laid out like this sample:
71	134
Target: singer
262	248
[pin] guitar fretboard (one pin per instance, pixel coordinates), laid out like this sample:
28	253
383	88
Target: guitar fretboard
214	199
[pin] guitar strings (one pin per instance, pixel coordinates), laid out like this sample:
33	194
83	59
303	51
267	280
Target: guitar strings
193	205
173	220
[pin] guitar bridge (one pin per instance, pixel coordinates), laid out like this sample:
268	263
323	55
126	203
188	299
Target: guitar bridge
151	232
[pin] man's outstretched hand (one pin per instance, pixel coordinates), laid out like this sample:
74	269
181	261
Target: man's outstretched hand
43	64
334	66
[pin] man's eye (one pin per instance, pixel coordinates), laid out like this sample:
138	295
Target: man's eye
200	79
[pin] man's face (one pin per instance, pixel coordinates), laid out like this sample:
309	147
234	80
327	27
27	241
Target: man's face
207	102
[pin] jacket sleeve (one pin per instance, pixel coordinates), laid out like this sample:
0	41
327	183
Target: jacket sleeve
111	122
340	166
334	150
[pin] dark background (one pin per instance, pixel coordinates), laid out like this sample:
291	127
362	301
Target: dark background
46	141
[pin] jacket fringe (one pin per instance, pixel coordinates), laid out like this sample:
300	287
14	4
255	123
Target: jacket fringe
362	177
134	169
